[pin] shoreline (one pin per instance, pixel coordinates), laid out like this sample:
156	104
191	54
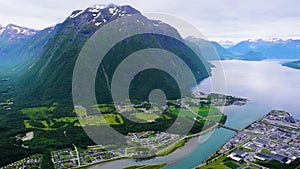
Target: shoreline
220	155
186	138
166	151
253	138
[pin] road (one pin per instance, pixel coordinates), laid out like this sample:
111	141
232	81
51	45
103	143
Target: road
77	153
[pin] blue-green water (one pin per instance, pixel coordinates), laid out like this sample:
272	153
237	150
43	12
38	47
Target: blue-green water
238	117
267	84
200	148
204	150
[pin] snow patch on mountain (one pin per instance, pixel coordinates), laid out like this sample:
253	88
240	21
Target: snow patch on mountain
2	29
21	30
75	14
16	32
101	13
227	43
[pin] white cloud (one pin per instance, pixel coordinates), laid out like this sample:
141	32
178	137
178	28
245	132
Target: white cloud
216	19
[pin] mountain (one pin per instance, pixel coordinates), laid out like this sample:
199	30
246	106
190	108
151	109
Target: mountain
13	32
214	51
49	78
227	43
20	46
45	62
293	64
272	49
11	37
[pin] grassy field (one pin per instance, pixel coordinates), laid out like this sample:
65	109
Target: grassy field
231	165
215	118
53	107
182	113
41	118
36	112
266	151
223	163
80	111
146	116
66	119
51	124
206	110
106	119
186	113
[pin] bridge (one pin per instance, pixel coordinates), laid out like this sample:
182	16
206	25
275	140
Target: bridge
229	128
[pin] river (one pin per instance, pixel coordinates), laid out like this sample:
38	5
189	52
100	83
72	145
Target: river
267	85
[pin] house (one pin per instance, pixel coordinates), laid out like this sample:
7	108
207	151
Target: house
238	155
261	142
277	157
275	136
233	157
259	158
280	158
290	119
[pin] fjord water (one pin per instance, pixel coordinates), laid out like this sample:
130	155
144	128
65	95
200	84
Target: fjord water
266	84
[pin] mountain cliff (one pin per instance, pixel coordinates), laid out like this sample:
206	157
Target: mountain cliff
49	77
20	46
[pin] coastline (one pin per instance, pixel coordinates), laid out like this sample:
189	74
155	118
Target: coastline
173	146
263	129
166	151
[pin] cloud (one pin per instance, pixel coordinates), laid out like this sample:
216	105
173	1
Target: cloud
217	19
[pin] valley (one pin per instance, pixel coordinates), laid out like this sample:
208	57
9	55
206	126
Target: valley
48	128
68	102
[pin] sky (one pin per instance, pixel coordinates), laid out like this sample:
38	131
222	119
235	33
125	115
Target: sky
218	20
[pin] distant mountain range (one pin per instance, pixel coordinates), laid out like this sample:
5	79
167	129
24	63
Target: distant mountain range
252	49
214	51
272	49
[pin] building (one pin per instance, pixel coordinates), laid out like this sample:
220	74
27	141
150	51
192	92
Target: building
261	142
238	155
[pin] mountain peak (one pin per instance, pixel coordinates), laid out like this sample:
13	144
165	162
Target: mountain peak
2	29
100	14
13	30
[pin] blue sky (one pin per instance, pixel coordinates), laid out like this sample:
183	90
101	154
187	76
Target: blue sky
218	20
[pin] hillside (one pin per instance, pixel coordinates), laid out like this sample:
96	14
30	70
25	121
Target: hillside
49	78
38	97
19	47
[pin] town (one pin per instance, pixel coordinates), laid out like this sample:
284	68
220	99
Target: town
149	142
32	162
274	139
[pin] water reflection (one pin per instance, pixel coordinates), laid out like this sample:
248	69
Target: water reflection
263	82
